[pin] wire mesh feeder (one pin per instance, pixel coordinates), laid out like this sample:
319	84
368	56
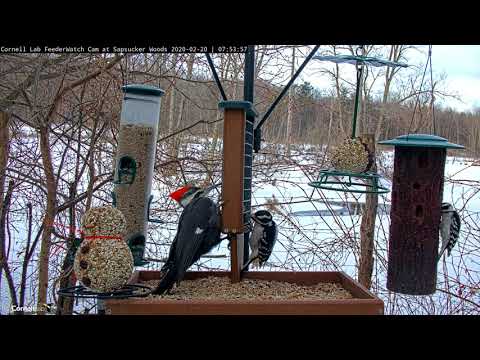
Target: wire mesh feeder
126	291
368	182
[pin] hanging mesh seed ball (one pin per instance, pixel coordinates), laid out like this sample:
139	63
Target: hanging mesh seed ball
352	156
103	221
104	261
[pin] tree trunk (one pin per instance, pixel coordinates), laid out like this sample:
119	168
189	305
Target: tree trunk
386	90
182	110
288	139
224	70
4	137
5	203
171	105
330	120
339	97
4	147
3	252
26	258
48	219
367	227
65	304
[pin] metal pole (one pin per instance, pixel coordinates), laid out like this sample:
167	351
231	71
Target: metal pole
285	89
248	95
361	52
357	93
215	76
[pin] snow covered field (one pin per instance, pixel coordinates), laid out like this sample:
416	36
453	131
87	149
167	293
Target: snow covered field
316	233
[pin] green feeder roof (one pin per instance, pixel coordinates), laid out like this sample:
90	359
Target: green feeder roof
421	140
247	105
142	90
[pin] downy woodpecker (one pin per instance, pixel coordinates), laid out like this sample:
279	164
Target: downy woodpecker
262	239
198	233
449	228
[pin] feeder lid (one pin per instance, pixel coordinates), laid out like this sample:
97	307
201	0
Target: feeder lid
247	105
421	140
142	90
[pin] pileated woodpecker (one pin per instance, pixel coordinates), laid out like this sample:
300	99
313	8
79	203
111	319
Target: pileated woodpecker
197	234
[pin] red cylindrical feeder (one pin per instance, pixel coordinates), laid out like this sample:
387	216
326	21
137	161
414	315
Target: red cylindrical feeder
417	193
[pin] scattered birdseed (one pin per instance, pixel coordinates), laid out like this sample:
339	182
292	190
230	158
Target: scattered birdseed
221	288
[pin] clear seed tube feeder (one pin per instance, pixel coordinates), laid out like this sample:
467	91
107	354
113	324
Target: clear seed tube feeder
135	160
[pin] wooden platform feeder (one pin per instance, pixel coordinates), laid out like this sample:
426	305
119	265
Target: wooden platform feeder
417	193
236	195
362	303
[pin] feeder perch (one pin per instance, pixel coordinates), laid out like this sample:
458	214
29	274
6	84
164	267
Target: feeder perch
157	221
364	183
136	243
234	193
135	162
417	192
126	291
127	168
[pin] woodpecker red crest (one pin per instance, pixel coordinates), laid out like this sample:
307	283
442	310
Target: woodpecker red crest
179	194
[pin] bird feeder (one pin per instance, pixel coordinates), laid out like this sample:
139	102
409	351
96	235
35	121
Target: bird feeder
234	197
345	180
238	140
234	193
415	213
135	162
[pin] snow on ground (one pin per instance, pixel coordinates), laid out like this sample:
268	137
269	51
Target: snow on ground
309	238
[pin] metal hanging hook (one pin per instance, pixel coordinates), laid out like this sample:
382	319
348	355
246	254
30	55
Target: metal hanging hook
359	50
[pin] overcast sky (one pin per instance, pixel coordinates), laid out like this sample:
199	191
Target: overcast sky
462	66
460	63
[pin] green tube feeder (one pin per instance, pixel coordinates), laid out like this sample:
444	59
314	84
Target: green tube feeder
127	168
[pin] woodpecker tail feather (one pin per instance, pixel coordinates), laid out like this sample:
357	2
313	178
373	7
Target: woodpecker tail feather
440	255
253	259
166	283
443	251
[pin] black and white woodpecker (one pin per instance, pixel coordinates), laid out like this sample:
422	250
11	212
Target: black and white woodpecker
263	238
198	233
449	228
